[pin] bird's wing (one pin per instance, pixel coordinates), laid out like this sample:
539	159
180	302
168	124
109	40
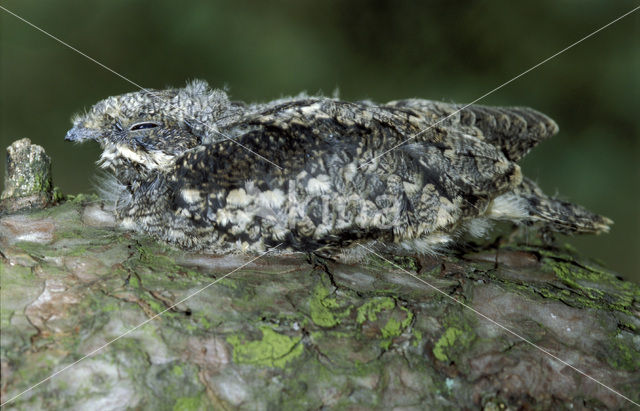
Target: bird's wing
351	153
515	130
281	140
308	133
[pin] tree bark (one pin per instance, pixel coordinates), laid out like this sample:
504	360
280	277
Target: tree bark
299	332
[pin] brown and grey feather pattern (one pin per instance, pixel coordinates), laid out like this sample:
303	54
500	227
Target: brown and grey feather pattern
180	179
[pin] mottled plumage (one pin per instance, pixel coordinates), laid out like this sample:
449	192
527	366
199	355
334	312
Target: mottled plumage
179	178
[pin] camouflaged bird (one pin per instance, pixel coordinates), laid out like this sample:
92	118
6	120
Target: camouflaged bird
197	170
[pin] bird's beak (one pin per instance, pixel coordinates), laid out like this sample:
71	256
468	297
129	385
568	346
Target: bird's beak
79	134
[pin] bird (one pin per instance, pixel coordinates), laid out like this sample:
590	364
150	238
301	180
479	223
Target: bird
192	168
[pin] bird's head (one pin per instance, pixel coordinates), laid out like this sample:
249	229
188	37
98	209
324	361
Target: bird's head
142	133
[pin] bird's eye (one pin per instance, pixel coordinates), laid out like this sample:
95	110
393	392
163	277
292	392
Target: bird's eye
142	126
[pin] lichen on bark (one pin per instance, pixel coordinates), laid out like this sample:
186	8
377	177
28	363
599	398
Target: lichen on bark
290	331
28	182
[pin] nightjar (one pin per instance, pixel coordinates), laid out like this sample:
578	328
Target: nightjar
202	172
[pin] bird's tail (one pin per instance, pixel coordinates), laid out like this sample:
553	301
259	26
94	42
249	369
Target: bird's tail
528	205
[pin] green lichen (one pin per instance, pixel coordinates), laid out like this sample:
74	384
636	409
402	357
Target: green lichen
273	350
326	311
621	355
583	284
571	276
188	404
446	341
418	338
42	181
369	310
151	255
133	282
155	306
110	307
319	306
35	250
204	321
393	327
457	337
15	274
559	253
229	283
77	251
82	198
177	371
595	288
57	195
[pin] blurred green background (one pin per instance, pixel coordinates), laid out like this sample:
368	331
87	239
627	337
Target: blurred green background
381	50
